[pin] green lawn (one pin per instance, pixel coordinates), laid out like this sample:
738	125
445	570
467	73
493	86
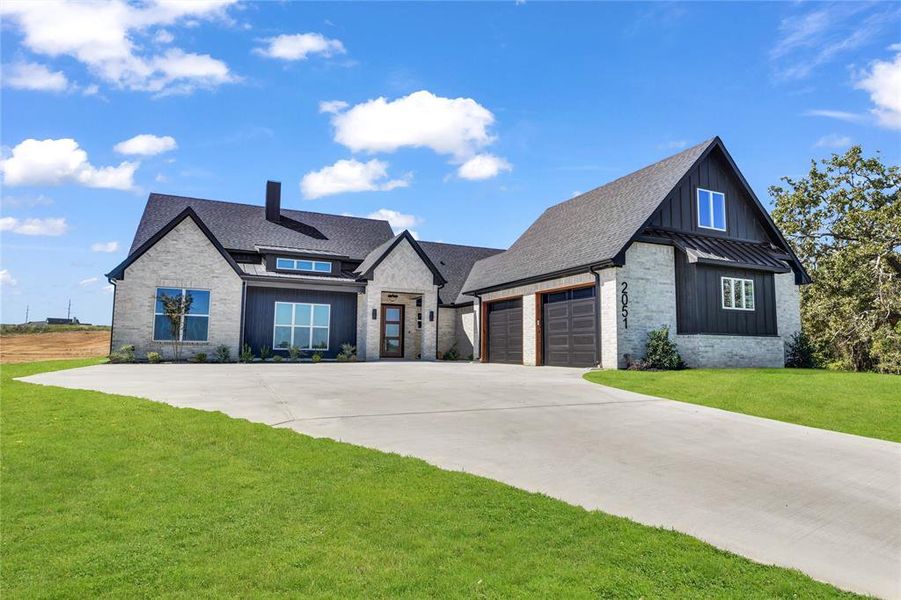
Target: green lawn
861	403
118	496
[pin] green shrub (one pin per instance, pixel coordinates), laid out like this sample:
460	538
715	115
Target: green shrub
800	353
294	353
277	358
125	354
661	352
452	353
348	353
316	357
153	357
265	352
246	353
199	357
223	353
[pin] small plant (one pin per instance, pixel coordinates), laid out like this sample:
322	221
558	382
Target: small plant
153	357
199	357
316	357
470	357
661	352
348	353
294	353
246	353
125	354
223	353
800	353
277	358
265	353
452	353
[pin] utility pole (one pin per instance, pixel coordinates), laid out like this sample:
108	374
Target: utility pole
69	311
26	314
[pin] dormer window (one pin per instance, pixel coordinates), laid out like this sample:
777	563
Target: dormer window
711	210
303	264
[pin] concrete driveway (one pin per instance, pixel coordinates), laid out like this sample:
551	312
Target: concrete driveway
826	503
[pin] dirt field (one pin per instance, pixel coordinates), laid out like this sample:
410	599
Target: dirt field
46	346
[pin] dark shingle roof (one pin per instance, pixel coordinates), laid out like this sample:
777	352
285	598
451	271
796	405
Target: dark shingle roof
455	262
588	229
244	226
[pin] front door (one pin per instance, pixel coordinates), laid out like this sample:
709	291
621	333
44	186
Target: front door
392	331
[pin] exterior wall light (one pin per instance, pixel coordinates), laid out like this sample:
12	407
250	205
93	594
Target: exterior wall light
431	315
375	314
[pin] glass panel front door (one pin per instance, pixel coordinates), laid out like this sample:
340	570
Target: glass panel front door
392	331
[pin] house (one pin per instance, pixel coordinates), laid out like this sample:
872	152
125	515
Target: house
683	243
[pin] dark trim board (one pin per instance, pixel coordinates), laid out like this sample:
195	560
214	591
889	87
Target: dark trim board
259	315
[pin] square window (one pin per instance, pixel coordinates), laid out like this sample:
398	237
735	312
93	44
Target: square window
302	314
160	292
282	338
283	312
321	315
200	302
737	294
711	210
322	267
196	329
305	265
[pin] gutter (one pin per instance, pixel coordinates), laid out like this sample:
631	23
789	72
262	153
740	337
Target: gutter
544	277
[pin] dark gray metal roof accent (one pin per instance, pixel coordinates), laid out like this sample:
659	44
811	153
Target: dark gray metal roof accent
719	251
374	258
455	262
588	229
243	227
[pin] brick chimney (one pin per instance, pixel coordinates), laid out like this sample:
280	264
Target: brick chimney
273	201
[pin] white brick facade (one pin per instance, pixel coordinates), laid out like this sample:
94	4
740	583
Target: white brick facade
183	258
788	306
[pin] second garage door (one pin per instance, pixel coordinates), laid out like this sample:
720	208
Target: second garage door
505	331
570	328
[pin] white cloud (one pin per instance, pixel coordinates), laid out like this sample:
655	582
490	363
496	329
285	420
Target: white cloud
883	82
332	106
100	35
451	126
833	140
839	115
299	46
25	201
163	37
6	279
105	247
483	166
34	77
88	281
672	145
349	176
51	227
54	162
398	220
108	289
146	144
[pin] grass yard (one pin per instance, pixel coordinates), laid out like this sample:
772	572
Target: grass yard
118	496
867	404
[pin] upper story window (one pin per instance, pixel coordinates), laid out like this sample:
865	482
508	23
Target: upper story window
737	294
303	264
192	325
711	210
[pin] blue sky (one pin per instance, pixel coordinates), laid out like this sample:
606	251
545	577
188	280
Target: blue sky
460	121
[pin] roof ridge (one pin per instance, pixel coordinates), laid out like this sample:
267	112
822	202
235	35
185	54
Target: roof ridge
461	245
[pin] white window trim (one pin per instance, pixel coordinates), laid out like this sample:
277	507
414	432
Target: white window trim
744	282
296	264
181	330
311	327
698	205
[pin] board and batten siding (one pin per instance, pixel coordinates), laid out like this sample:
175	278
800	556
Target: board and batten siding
699	301
259	316
679	210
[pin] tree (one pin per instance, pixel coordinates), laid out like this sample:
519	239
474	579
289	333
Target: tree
844	222
175	308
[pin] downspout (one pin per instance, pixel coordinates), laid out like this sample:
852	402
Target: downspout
597	314
477	326
112	323
437	308
243	309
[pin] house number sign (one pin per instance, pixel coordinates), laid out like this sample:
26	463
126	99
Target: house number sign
624	301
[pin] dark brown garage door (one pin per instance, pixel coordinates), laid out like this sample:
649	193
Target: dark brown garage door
505	331
570	328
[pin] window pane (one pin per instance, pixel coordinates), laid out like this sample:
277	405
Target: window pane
161	328
320	337
196	329
305	265
302	337
320	315
323	267
749	294
301	314
282	337
727	292
284	263
283	313
737	294
719	211
171	292
704	217
392	330
392	314
200	302
392	345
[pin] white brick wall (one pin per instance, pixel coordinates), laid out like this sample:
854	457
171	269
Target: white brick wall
529	326
788	306
465	324
730	351
184	258
447	329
